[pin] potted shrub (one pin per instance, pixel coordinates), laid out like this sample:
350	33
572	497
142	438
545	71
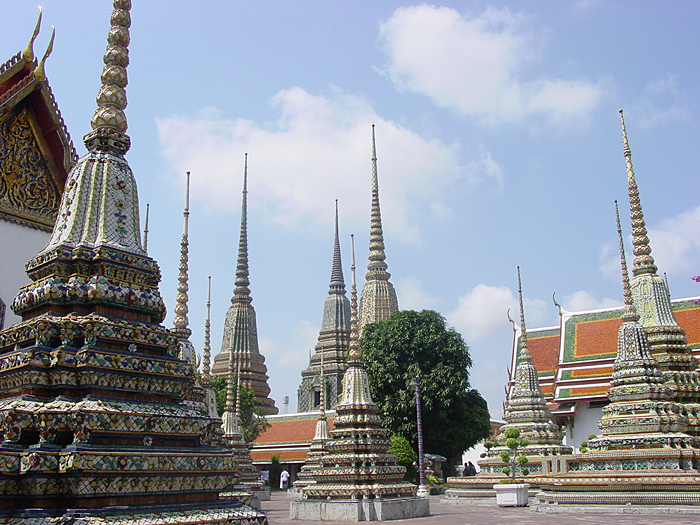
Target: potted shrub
510	493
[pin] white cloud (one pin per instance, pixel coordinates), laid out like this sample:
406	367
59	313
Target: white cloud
412	296
662	103
582	301
675	243
482	312
472	63
319	149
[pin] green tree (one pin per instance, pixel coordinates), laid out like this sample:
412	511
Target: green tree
253	421
419	344
405	455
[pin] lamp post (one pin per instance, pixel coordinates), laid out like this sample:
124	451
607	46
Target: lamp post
422	489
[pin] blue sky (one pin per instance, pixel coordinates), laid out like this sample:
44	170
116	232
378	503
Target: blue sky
498	142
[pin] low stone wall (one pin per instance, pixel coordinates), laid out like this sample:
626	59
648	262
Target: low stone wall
360	510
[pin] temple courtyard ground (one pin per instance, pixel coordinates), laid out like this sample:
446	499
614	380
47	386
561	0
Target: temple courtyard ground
277	511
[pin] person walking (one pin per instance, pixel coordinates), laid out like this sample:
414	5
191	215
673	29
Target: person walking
284	479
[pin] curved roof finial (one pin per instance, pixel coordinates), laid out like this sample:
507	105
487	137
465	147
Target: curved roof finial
28	53
39	72
643	261
181	309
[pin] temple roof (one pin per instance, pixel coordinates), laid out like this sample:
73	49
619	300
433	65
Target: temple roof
30	114
579	366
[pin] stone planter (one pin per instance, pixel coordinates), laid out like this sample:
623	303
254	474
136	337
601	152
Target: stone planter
511	494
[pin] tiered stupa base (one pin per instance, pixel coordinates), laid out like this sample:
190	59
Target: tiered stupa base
661	476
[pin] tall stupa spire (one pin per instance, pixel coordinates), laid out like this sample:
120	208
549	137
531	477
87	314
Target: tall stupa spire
652	302
333	338
109	120
240	337
206	351
337	282
643	261
378	300
354	353
181	321
242	281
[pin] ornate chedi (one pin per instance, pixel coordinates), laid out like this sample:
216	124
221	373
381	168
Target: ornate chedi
527	411
356	478
378	300
240	328
652	301
317	449
92	386
333	341
644	456
640	414
36	151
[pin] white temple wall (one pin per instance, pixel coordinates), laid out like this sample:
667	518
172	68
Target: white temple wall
18	244
585	424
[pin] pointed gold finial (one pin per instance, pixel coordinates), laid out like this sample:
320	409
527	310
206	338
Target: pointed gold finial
643	261
28	53
39	72
109	121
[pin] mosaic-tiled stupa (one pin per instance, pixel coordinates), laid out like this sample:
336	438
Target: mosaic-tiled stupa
92	385
378	300
333	342
652	300
644	456
356	478
240	327
527	411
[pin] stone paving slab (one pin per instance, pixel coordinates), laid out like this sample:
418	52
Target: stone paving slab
277	510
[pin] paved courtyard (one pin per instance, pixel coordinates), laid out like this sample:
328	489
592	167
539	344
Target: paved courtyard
277	510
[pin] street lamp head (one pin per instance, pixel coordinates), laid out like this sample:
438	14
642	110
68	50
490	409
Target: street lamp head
414	383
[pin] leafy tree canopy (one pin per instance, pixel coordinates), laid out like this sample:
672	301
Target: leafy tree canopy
253	421
419	344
